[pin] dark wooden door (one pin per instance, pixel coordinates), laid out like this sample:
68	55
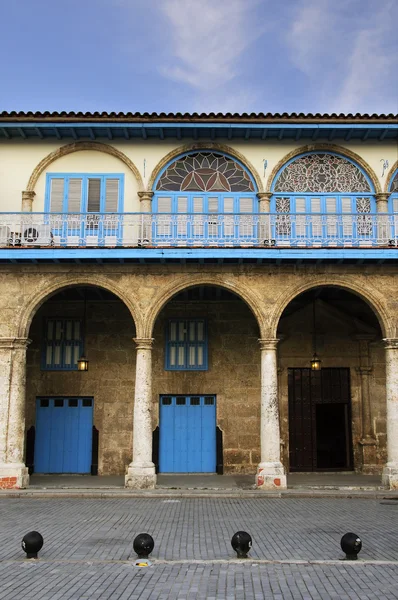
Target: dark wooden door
319	420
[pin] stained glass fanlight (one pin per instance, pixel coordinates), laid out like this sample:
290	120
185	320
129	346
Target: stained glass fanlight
205	172
394	183
322	173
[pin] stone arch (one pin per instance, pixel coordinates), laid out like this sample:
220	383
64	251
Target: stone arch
325	148
250	298
77	147
49	289
205	146
374	300
390	176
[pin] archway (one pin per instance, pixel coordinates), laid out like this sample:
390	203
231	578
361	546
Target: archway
206	383
80	421
332	418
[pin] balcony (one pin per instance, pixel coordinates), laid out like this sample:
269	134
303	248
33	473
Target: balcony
144	230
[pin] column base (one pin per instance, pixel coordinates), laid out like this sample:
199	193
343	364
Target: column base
140	476
271	476
369	450
13	476
390	476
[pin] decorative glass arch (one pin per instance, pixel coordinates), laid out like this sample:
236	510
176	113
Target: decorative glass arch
329	198
204	197
321	173
393	188
205	172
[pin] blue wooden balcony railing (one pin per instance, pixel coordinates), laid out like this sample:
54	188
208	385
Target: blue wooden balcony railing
44	230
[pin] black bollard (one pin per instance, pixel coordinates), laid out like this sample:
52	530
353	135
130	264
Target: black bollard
143	545
31	543
241	542
351	544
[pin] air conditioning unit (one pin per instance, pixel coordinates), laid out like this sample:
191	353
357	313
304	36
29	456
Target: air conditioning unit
37	235
5	236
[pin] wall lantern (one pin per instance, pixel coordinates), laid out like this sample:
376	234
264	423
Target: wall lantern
82	363
316	361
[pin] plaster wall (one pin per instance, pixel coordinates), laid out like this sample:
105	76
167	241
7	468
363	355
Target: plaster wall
18	159
233	376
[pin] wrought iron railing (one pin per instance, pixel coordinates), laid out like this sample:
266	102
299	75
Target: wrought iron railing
197	230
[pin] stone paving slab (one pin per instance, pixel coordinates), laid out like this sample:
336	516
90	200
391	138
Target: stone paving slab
88	552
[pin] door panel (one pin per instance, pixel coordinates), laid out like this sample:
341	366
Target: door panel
63	435
187	441
319	419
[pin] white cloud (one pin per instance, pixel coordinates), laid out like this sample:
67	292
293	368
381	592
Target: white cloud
348	53
206	39
371	79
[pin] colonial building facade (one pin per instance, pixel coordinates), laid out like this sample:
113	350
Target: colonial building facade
198	293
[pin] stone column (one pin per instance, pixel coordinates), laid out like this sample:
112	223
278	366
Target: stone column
145	201
141	472
382	202
13	473
27	201
383	221
265	229
270	471
145	207
368	441
390	471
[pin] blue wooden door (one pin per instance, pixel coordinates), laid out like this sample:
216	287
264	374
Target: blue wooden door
63	442
187	441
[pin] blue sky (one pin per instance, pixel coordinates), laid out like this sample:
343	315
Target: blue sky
199	55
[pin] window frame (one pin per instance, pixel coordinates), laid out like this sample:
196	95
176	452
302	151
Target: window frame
62	367
66	176
187	343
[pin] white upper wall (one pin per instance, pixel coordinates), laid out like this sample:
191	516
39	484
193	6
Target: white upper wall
18	159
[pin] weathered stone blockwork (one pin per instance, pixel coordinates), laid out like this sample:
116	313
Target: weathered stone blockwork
234	373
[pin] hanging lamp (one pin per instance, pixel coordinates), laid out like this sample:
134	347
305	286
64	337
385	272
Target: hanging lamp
82	363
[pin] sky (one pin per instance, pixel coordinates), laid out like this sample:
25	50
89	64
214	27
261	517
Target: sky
199	55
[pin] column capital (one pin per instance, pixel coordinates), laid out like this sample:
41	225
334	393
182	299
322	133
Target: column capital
268	343
382	196
390	343
144	343
264	195
145	195
364	369
27	200
14	343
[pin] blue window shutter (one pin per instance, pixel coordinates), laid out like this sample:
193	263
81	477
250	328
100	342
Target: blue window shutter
94	195
62	344
186	345
75	195
111	195
57	192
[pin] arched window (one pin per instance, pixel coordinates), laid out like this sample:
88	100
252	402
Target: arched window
205	182
205	198
393	200
327	188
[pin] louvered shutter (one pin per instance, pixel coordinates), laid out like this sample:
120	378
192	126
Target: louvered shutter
246	205
395	205
346	209
57	189
316	219
331	221
94	195
213	209
197	225
182	209
75	195
164	205
300	221
228	221
111	195
163	222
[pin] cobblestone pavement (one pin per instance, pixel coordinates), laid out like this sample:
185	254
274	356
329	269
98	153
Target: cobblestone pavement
88	552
